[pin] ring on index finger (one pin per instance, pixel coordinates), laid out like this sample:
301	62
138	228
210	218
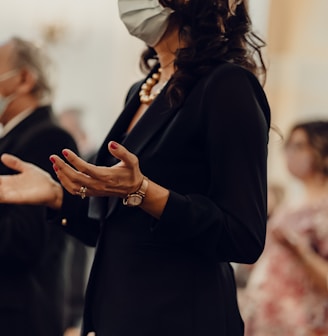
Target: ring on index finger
82	192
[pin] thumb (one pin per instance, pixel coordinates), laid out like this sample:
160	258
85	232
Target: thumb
122	154
13	162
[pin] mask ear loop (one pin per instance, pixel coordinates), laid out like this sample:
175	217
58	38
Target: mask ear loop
8	74
233	4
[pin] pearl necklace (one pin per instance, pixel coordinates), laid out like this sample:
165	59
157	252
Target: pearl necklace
146	94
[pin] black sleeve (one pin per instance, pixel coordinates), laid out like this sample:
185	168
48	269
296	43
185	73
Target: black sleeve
73	218
229	223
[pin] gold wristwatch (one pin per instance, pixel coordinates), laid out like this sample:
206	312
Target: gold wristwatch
136	198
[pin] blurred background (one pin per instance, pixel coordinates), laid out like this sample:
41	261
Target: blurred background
95	60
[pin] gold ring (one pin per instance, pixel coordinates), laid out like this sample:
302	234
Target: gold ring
82	192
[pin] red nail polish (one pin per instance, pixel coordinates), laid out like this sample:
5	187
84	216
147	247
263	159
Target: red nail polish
55	168
52	160
113	145
65	153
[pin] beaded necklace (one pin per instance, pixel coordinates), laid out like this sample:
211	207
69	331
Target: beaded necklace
146	94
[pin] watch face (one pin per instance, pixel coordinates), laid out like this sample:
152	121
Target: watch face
134	200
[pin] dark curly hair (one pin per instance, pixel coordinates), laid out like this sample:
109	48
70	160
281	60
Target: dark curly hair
212	34
317	135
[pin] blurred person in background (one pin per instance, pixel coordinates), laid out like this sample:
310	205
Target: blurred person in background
179	187
276	194
32	252
79	256
287	290
70	119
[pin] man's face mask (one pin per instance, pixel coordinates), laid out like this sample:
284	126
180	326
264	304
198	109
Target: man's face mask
145	19
5	101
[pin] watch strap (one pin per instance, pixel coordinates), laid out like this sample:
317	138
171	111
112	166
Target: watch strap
141	192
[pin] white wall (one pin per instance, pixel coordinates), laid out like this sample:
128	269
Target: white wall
259	12
96	60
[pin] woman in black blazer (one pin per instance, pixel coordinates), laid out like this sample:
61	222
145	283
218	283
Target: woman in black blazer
178	190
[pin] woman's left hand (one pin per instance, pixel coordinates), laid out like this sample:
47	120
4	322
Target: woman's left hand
119	180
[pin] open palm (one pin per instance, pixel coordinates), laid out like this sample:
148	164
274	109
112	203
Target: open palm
31	185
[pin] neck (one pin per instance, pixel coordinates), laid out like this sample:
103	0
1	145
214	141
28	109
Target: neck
166	61
166	50
18	106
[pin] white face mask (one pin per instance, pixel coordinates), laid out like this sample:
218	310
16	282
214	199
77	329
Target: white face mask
5	101
8	74
145	19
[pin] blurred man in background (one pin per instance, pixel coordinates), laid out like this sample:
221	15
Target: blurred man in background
32	252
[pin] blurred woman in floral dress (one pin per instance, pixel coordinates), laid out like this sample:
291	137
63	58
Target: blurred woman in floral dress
287	290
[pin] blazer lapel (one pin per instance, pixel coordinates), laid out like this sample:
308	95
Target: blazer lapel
120	126
154	119
99	206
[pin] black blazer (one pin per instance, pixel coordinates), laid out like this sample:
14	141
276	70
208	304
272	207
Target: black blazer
172	277
31	250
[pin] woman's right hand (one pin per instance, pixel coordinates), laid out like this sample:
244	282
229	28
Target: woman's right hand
31	185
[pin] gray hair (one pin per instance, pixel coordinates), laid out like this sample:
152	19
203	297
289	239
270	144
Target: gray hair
30	56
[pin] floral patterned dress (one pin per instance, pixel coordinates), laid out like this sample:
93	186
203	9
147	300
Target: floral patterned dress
281	299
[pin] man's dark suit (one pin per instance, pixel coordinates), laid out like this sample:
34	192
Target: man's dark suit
171	277
31	250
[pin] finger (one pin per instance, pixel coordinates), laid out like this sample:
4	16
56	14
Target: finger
14	162
78	163
61	165
70	178
292	238
122	154
96	179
